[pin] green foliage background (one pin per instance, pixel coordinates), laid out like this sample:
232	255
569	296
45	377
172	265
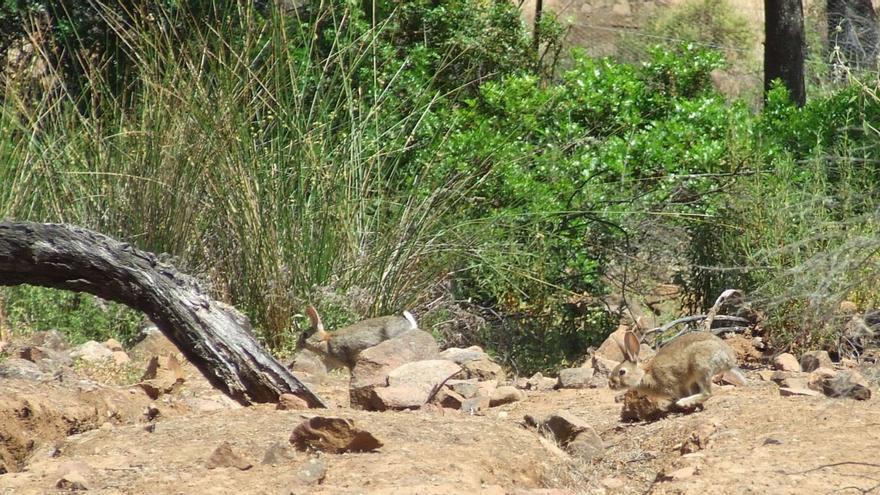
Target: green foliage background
378	156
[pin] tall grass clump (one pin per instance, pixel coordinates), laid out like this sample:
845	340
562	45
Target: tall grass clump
267	152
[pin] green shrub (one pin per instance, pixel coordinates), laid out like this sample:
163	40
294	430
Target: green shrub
80	317
800	233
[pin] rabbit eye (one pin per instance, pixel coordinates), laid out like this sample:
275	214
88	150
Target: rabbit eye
622	372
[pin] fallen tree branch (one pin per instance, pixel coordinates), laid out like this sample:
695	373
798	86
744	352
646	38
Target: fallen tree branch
215	337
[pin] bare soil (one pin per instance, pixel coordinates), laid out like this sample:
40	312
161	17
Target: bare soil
748	440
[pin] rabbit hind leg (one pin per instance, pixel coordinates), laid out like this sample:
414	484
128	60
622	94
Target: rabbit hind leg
700	391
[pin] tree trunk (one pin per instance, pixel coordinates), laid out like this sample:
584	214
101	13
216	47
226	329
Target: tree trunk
536	32
215	337
784	47
853	33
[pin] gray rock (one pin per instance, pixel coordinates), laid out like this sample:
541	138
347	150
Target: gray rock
413	384
586	445
448	398
476	405
574	434
465	388
225	456
482	370
374	364
575	378
541	383
611	348
811	361
307	361
14	367
462	356
851	385
312	472
564	426
602	366
278	453
92	351
51	339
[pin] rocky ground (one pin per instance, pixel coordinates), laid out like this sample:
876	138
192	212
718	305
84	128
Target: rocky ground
107	420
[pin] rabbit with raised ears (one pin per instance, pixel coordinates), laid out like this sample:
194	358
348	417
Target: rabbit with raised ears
681	371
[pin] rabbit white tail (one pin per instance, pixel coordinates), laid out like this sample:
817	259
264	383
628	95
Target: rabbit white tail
411	319
739	378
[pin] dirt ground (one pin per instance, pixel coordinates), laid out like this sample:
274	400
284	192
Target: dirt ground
747	440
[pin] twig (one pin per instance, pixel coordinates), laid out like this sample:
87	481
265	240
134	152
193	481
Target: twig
691	319
832	465
710	317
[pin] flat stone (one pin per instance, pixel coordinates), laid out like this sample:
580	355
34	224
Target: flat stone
13	367
792	392
487	387
766	375
74	476
698	438
505	395
154	343
52	339
162	375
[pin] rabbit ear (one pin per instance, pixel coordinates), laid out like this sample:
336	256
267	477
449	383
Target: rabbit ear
631	347
317	324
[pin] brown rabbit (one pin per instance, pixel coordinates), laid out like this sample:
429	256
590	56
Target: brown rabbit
342	346
681	371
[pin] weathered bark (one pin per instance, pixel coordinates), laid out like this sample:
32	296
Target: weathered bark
536	32
215	337
784	47
853	30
